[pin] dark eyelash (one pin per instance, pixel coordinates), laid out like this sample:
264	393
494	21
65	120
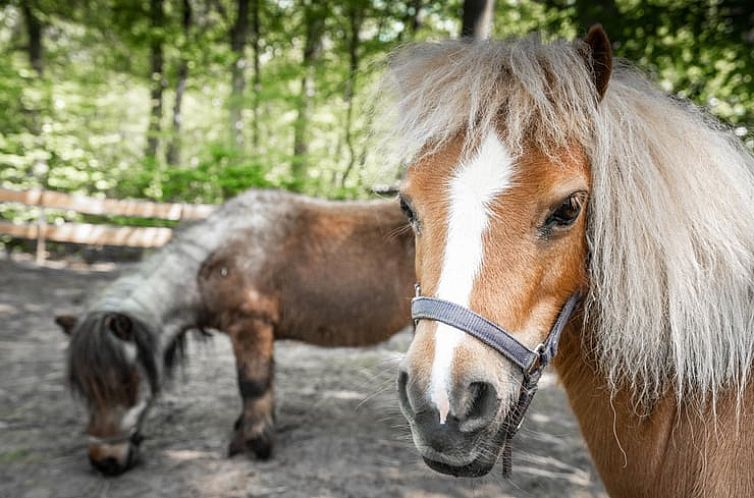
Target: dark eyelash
410	214
564	215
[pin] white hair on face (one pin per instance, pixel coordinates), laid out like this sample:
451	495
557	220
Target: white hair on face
671	214
132	417
474	186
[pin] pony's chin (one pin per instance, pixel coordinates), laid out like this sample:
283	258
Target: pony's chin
477	468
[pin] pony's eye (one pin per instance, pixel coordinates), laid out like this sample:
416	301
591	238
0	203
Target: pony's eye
408	211
565	214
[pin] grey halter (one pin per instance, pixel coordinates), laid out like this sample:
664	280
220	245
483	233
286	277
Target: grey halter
530	362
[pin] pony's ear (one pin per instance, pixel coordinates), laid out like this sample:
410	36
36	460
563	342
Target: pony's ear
67	323
120	325
599	57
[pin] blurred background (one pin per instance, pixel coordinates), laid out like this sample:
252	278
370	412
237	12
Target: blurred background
197	100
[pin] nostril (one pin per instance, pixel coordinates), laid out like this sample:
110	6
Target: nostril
403	393
477	392
483	405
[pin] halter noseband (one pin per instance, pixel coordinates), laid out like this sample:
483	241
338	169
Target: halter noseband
133	436
530	362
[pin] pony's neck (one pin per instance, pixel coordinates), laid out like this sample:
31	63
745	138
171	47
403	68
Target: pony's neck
670	449
161	292
614	435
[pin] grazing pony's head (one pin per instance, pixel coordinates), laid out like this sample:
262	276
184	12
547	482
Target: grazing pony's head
115	365
535	172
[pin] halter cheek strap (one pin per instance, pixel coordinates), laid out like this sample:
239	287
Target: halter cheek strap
530	362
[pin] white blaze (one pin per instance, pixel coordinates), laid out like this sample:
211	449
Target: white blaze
472	188
131	418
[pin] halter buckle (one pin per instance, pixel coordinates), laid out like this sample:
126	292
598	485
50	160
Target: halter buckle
539	362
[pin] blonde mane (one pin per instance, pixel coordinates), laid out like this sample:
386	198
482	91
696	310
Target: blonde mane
671	214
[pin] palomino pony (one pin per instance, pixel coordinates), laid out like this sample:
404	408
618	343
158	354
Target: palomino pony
538	174
315	259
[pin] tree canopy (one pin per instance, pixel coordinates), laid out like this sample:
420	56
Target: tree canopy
197	100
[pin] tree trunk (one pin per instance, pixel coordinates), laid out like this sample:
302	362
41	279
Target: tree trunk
315	24
40	170
602	11
412	19
356	17
477	19
157	77
34	32
257	78
238	38
415	16
173	154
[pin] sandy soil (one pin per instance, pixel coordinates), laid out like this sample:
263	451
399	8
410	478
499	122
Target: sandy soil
339	431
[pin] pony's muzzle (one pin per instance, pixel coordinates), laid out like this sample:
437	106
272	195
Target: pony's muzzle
479	399
112	459
449	438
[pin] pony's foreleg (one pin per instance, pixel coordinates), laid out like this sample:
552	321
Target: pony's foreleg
254	431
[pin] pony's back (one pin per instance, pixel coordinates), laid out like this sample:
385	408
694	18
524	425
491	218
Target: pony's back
334	273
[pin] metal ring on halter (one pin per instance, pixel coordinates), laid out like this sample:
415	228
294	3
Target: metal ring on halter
539	351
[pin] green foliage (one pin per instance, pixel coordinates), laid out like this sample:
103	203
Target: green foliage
701	50
81	125
222	173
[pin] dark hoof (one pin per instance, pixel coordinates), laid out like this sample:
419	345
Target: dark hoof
235	447
260	446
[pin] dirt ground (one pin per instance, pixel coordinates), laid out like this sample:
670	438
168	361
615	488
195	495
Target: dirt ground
339	431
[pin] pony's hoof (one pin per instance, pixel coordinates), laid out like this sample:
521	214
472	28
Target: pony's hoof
235	447
260	446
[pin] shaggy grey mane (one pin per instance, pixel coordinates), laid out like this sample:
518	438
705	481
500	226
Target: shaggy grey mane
671	214
161	294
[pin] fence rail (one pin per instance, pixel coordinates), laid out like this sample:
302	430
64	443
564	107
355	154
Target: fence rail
86	233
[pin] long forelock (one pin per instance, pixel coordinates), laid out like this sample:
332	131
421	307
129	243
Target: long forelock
535	93
670	225
98	365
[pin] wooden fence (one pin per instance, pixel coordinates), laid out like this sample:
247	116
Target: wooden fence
86	233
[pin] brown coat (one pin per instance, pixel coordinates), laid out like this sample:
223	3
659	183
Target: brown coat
326	273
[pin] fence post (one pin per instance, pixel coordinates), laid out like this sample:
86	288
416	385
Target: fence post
41	226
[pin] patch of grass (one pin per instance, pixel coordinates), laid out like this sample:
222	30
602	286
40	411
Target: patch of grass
14	456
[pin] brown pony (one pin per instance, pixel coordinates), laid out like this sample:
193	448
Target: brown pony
285	264
541	170
326	273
